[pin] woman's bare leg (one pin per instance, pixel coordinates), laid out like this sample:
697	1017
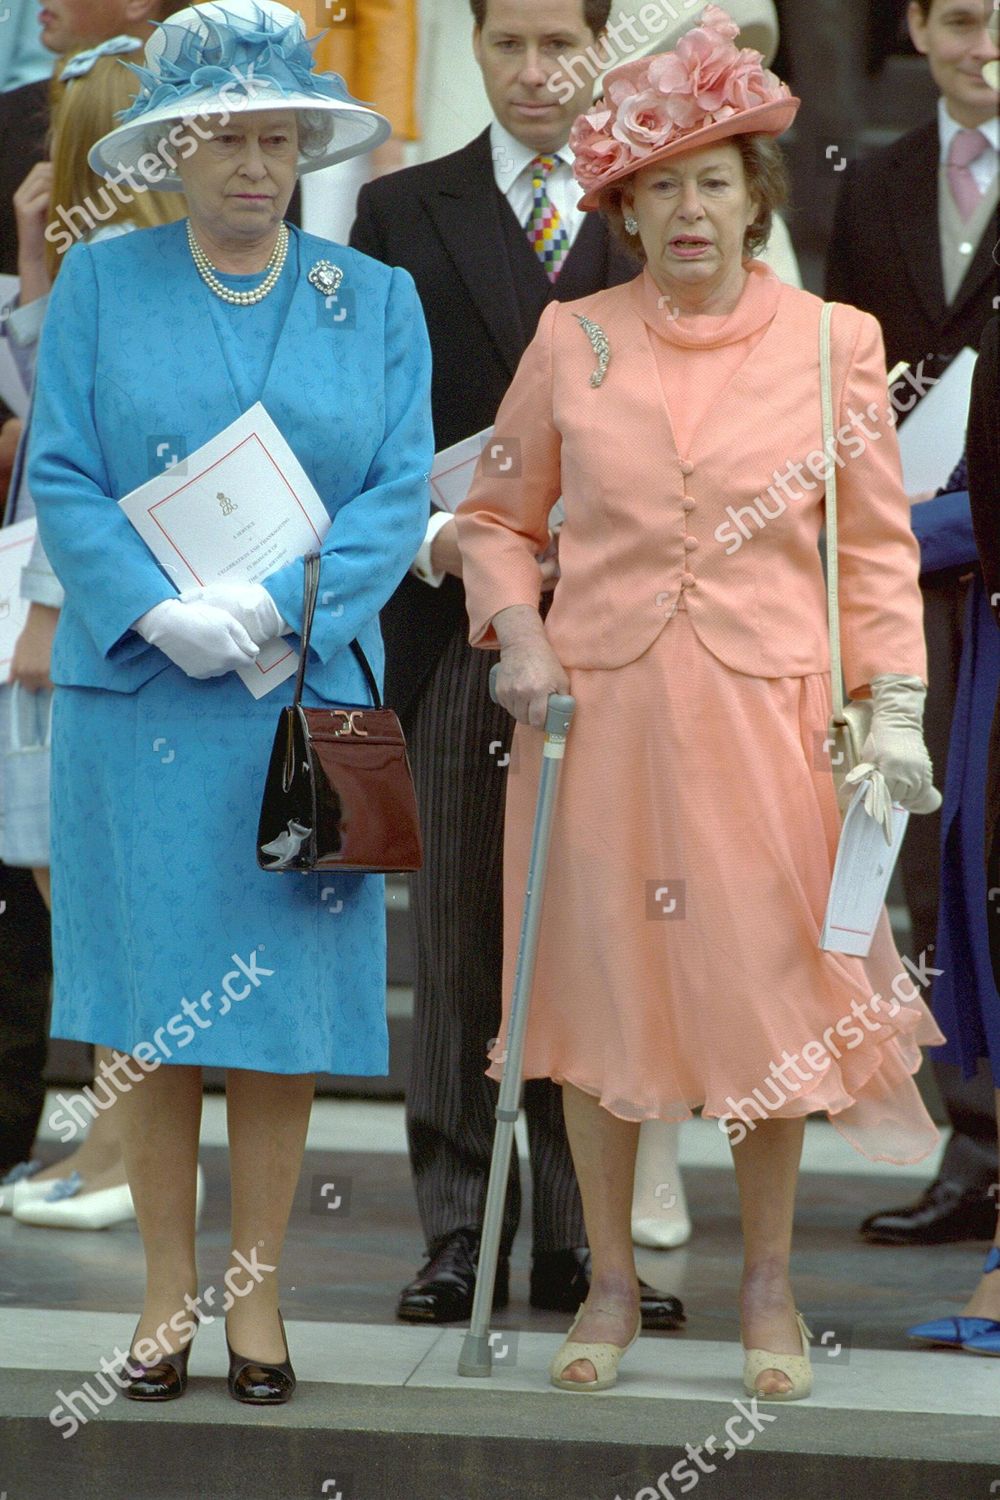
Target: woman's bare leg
98	1157
268	1116
160	1121
603	1148
767	1168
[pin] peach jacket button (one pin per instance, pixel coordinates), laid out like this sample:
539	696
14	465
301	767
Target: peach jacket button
690	542
687	503
686	467
688	580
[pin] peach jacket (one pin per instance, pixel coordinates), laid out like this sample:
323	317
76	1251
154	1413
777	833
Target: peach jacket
744	557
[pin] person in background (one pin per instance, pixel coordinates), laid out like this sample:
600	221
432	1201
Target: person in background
25	959
492	234
24	58
913	243
87	1189
969	933
372	44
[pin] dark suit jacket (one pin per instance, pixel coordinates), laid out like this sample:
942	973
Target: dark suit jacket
983	452
23	123
884	256
483	290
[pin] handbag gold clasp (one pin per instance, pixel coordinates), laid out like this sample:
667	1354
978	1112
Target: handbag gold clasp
351	725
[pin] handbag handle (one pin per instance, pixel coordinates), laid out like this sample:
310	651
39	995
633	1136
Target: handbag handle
310	593
830	478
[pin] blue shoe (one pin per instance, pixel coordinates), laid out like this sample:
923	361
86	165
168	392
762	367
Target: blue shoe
975	1335
987	1342
953	1333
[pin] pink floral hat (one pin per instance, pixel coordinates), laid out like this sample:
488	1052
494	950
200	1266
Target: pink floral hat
703	91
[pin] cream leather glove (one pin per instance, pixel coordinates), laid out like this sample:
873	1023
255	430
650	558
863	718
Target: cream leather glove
249	603
895	748
199	638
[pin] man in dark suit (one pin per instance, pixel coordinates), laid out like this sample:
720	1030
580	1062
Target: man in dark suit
913	243
466	228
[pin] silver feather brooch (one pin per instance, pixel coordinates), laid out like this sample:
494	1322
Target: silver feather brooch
599	343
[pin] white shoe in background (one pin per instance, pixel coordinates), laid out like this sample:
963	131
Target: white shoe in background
68	1206
660	1218
21	1180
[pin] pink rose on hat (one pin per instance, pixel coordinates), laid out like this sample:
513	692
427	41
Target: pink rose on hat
653	106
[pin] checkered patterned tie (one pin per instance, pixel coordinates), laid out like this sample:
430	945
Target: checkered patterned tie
546	230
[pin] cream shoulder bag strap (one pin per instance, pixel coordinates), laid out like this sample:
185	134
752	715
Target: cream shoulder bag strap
852	718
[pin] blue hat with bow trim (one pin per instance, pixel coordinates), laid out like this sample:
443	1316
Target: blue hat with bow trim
225	59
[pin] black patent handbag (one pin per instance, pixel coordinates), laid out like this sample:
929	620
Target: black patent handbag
339	791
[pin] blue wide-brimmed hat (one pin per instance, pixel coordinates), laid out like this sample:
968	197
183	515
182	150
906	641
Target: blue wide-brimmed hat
226	59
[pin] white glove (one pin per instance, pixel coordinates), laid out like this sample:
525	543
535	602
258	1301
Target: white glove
895	745
199	638
249	603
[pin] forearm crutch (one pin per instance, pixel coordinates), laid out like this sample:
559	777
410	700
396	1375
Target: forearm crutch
476	1357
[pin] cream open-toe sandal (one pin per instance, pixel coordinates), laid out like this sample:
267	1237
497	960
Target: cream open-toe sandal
795	1366
605	1359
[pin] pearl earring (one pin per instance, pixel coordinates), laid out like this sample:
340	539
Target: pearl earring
631	224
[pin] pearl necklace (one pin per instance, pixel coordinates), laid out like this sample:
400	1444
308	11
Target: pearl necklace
207	271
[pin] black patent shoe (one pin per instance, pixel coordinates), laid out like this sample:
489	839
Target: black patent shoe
163	1381
259	1384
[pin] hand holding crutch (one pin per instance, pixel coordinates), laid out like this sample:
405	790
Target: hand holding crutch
476	1357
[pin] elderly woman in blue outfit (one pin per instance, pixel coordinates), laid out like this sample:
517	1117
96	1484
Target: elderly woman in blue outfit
170	946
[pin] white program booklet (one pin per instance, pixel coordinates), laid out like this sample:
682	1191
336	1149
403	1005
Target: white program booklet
454	469
16	543
239	508
861	875
932	438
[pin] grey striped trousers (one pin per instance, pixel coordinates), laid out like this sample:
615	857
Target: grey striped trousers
457	742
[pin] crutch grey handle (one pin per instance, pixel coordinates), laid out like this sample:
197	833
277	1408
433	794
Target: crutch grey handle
560	712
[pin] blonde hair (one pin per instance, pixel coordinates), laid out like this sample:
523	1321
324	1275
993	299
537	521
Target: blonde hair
82	111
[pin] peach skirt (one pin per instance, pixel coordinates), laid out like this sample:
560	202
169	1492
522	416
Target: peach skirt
678	962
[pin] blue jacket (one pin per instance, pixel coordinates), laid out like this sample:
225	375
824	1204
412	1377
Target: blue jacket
129	364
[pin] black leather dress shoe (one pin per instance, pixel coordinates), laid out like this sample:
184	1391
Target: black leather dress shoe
443	1288
948	1211
258	1384
560	1281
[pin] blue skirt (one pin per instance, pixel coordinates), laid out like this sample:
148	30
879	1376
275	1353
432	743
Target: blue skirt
166	935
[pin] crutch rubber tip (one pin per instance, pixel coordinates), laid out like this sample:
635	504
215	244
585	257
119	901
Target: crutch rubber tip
476	1358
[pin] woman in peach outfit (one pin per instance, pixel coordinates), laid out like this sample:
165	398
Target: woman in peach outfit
679	417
